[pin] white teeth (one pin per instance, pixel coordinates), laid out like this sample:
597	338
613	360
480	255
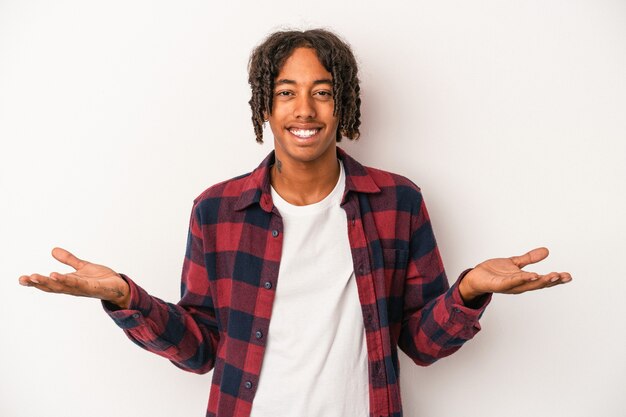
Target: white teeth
304	133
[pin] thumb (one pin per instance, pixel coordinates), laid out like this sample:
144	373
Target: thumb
532	257
67	258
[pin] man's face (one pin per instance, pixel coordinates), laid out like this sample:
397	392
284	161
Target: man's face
302	118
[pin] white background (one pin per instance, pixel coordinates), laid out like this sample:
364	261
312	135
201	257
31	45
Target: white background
511	116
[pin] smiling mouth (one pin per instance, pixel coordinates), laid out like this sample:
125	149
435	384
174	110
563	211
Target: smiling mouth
304	133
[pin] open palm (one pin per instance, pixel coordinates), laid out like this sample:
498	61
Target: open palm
88	280
505	275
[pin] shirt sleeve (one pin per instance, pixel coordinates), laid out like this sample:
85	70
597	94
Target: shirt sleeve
435	322
185	333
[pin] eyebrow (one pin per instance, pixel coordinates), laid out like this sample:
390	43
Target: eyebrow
316	82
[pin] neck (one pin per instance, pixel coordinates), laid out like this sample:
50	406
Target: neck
301	183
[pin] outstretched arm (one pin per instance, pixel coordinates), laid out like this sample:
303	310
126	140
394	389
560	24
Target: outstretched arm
505	275
88	280
185	335
437	319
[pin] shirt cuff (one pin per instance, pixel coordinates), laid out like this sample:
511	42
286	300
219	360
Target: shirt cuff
139	307
459	310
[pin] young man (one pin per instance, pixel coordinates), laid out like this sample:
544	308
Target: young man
302	278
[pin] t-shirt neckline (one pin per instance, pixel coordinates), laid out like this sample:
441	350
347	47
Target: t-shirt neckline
334	197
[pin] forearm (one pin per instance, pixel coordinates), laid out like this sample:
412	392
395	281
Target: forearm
187	336
441	326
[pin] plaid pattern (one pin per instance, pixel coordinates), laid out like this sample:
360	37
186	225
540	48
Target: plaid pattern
230	275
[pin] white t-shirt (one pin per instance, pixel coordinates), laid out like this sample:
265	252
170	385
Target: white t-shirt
315	363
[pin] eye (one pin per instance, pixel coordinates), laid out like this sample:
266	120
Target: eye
324	94
283	93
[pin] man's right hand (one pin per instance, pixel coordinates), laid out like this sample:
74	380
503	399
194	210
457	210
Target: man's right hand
89	280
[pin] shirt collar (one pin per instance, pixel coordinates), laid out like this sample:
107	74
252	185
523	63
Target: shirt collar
256	187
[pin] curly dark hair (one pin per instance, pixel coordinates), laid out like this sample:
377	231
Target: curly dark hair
334	54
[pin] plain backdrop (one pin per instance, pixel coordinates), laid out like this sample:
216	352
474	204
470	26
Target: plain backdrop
511	116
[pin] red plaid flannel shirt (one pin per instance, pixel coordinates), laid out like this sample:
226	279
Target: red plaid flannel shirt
230	276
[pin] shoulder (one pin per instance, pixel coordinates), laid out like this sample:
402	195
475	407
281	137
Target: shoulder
395	189
233	187
217	203
378	183
386	179
385	191
243	189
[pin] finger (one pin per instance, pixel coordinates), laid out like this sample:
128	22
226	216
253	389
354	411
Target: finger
56	283
25	281
42	288
67	258
31	280
566	277
521	282
532	257
556	278
36	280
544	281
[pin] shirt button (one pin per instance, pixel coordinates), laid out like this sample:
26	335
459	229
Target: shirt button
267	285
274	233
136	315
248	384
258	334
369	319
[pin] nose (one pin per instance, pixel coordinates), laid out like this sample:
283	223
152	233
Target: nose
304	107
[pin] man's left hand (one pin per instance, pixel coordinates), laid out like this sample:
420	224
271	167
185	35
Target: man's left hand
505	275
